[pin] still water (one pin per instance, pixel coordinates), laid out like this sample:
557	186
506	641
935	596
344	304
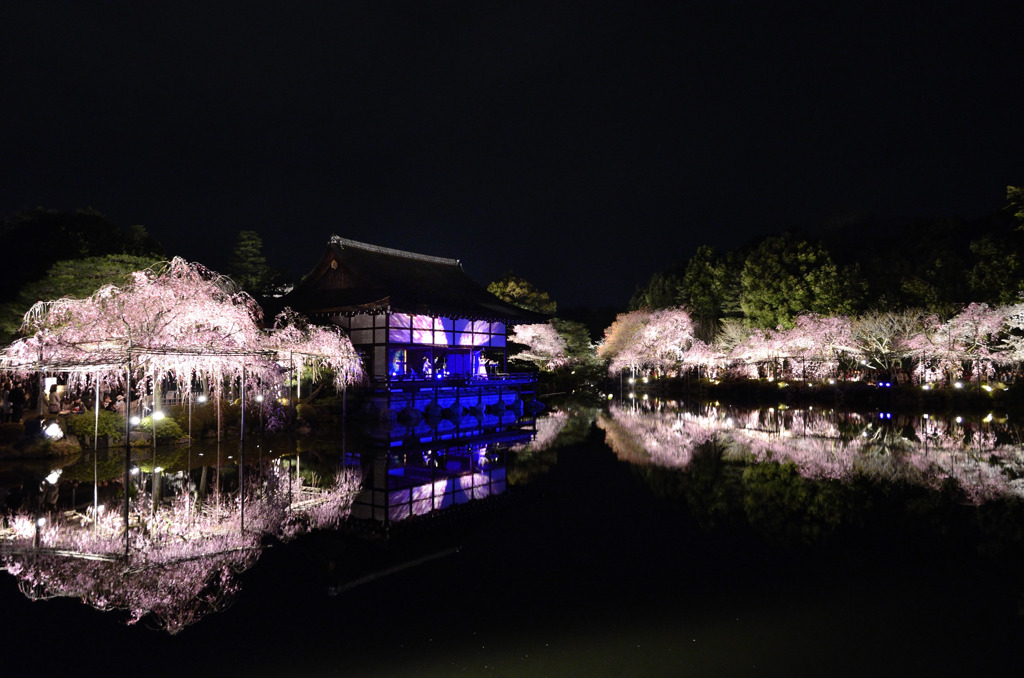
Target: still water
660	540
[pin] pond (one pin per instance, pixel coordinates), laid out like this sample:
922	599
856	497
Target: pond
657	539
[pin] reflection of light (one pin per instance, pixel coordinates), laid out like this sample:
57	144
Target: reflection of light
53	431
134	421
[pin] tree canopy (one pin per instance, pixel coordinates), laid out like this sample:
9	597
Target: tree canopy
520	292
39	238
176	320
73	278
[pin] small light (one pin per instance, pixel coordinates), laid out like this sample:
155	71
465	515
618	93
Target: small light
54	476
201	399
53	431
926	387
158	415
959	420
134	421
959	384
158	469
632	395
135	470
632	380
645	380
41	522
259	399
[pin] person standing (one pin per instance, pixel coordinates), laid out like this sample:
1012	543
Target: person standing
54	399
17	398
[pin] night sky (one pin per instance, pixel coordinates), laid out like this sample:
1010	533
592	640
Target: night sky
582	145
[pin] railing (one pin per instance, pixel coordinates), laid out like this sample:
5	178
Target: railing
459	380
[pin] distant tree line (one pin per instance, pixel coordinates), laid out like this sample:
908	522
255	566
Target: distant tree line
856	264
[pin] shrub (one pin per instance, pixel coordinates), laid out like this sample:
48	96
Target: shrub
110	424
166	428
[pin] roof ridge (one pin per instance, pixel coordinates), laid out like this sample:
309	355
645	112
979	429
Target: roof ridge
345	242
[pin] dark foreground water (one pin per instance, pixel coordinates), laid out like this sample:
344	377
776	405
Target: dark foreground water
588	566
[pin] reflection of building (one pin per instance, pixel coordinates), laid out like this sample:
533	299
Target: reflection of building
403	484
432	340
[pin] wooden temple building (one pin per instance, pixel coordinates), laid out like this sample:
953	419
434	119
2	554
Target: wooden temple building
432	341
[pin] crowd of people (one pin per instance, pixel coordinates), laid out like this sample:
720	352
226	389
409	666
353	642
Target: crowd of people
14	400
20	397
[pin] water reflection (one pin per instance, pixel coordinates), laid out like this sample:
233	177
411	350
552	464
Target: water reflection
171	561
175	552
982	456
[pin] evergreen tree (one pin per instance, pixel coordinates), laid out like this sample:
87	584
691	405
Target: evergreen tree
247	265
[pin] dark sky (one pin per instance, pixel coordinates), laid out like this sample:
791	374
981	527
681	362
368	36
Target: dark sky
583	145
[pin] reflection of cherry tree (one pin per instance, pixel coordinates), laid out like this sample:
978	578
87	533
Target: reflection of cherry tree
663	438
548	427
184	563
824	445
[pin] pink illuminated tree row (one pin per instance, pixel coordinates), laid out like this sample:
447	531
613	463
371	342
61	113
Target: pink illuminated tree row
971	343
